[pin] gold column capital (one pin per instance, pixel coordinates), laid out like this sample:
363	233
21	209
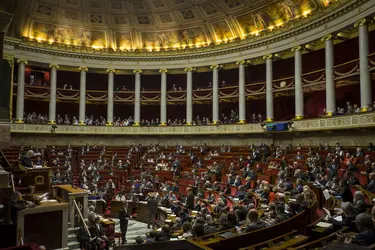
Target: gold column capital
137	71
327	37
241	62
216	66
83	69
163	71
270	56
24	61
297	48
110	70
56	66
361	22
190	69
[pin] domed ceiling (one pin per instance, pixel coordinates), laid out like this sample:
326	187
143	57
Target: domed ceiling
156	24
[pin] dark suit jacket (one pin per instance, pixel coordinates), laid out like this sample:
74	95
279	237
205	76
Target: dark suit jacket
96	231
152	205
26	162
190	201
254	226
280	218
365	238
371	186
360	206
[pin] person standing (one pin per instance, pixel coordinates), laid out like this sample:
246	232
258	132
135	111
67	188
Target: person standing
124	219
152	206
190	199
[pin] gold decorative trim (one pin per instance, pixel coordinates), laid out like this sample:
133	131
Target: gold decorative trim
327	37
270	56
297	48
163	71
242	62
361	22
22	61
298	117
137	71
136	124
51	122
190	69
109	124
241	122
81	123
83	69
188	124
56	66
216	66
163	124
110	70
19	121
269	119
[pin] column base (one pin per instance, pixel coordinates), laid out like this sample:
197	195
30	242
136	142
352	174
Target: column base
298	117
364	109
81	123
241	122
19	121
136	124
162	124
329	114
109	124
215	122
51	122
269	119
188	124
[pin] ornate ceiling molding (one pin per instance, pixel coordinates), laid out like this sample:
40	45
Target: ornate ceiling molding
257	46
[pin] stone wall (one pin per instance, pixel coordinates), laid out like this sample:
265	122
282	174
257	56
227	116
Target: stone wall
359	137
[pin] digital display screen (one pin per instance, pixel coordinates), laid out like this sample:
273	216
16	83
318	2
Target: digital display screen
277	127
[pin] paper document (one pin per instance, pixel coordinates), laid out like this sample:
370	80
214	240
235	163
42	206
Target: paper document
338	218
326	194
324	224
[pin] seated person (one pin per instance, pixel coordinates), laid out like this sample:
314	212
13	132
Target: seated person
371	185
280	214
187	228
198	230
164	234
25	159
177	225
255	222
215	186
366	228
29	196
210	227
348	215
359	202
97	233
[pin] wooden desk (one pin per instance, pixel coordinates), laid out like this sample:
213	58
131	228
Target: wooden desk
46	224
67	193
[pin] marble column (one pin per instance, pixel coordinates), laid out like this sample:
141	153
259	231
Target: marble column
20	90
189	96
298	90
111	80
330	82
52	94
163	97
269	88
215	93
365	80
137	98
82	95
241	92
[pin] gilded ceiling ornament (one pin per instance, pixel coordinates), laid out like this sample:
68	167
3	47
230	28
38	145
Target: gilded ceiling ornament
327	37
297	48
217	66
241	62
110	70
163	71
361	22
137	71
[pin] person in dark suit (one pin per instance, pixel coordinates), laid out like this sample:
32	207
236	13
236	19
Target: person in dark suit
83	237
98	235
25	159
359	202
190	200
371	185
255	222
366	228
124	220
152	206
280	214
347	217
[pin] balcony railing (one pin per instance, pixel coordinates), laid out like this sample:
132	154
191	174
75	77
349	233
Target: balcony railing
365	120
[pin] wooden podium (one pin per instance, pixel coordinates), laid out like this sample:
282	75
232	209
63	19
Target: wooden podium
67	193
38	177
46	224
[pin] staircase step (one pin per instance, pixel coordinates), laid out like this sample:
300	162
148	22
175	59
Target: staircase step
73	245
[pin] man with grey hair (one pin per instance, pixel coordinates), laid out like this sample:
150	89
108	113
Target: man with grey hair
366	228
348	216
359	202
